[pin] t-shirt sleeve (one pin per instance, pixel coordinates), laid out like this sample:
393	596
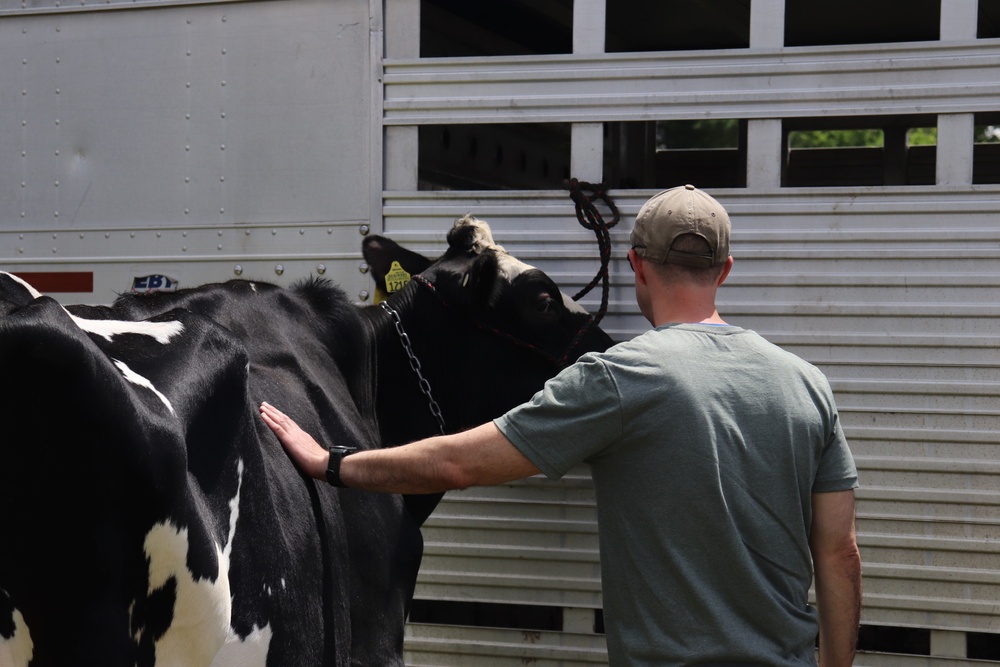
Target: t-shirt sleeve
837	471
575	415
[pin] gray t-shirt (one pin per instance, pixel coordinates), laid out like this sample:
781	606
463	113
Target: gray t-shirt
706	444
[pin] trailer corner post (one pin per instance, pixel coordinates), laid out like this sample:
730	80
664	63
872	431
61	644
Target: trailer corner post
589	25
376	132
767	24
764	158
402	40
586	160
955	138
948	644
956	132
959	19
763	136
578	619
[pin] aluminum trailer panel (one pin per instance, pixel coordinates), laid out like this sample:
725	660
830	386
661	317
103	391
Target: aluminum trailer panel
185	140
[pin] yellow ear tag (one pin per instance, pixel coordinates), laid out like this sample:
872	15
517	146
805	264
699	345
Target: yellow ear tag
396	278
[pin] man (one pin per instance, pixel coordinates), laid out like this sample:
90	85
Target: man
722	475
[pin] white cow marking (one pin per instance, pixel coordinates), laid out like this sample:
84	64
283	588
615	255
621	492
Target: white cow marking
249	652
202	609
162	332
142	381
234	510
252	651
201	634
18	649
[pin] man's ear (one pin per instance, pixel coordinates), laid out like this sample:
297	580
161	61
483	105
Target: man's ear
380	253
639	268
725	271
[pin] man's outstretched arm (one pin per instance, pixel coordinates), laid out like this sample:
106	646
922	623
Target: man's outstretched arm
837	564
481	456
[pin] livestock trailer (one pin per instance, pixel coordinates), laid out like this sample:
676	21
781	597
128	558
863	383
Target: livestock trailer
150	144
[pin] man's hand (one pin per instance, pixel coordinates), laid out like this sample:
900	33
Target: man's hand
311	457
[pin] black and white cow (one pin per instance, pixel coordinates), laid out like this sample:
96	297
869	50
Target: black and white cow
150	518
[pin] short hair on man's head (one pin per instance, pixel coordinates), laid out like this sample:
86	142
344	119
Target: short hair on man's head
693	244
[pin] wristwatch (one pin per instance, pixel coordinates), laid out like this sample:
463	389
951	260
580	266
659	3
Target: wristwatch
337	454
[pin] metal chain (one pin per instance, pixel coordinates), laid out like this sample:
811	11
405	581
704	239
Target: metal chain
425	386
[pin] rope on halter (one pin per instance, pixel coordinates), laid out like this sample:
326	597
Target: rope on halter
590	218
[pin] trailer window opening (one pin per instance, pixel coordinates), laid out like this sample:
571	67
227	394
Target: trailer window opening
862	22
664	153
986	148
988	19
487	614
867	151
510	156
454	28
676	25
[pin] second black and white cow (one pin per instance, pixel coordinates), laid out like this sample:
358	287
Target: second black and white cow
150	518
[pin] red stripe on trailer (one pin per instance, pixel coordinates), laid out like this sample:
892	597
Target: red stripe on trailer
59	281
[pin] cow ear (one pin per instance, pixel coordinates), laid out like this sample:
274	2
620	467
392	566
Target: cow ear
478	286
380	252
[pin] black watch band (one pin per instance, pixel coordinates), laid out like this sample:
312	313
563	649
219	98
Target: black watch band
337	454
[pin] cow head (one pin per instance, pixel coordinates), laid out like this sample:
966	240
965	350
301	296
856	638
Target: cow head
481	314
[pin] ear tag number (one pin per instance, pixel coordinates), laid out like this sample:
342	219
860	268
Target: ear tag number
396	278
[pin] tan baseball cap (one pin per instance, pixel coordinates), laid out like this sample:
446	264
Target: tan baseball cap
677	211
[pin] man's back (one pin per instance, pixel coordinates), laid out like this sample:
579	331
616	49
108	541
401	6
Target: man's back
704	478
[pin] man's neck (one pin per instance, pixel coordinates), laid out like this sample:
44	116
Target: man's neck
687	305
688	320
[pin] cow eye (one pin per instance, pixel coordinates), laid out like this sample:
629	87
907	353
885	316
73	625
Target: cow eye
545	303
